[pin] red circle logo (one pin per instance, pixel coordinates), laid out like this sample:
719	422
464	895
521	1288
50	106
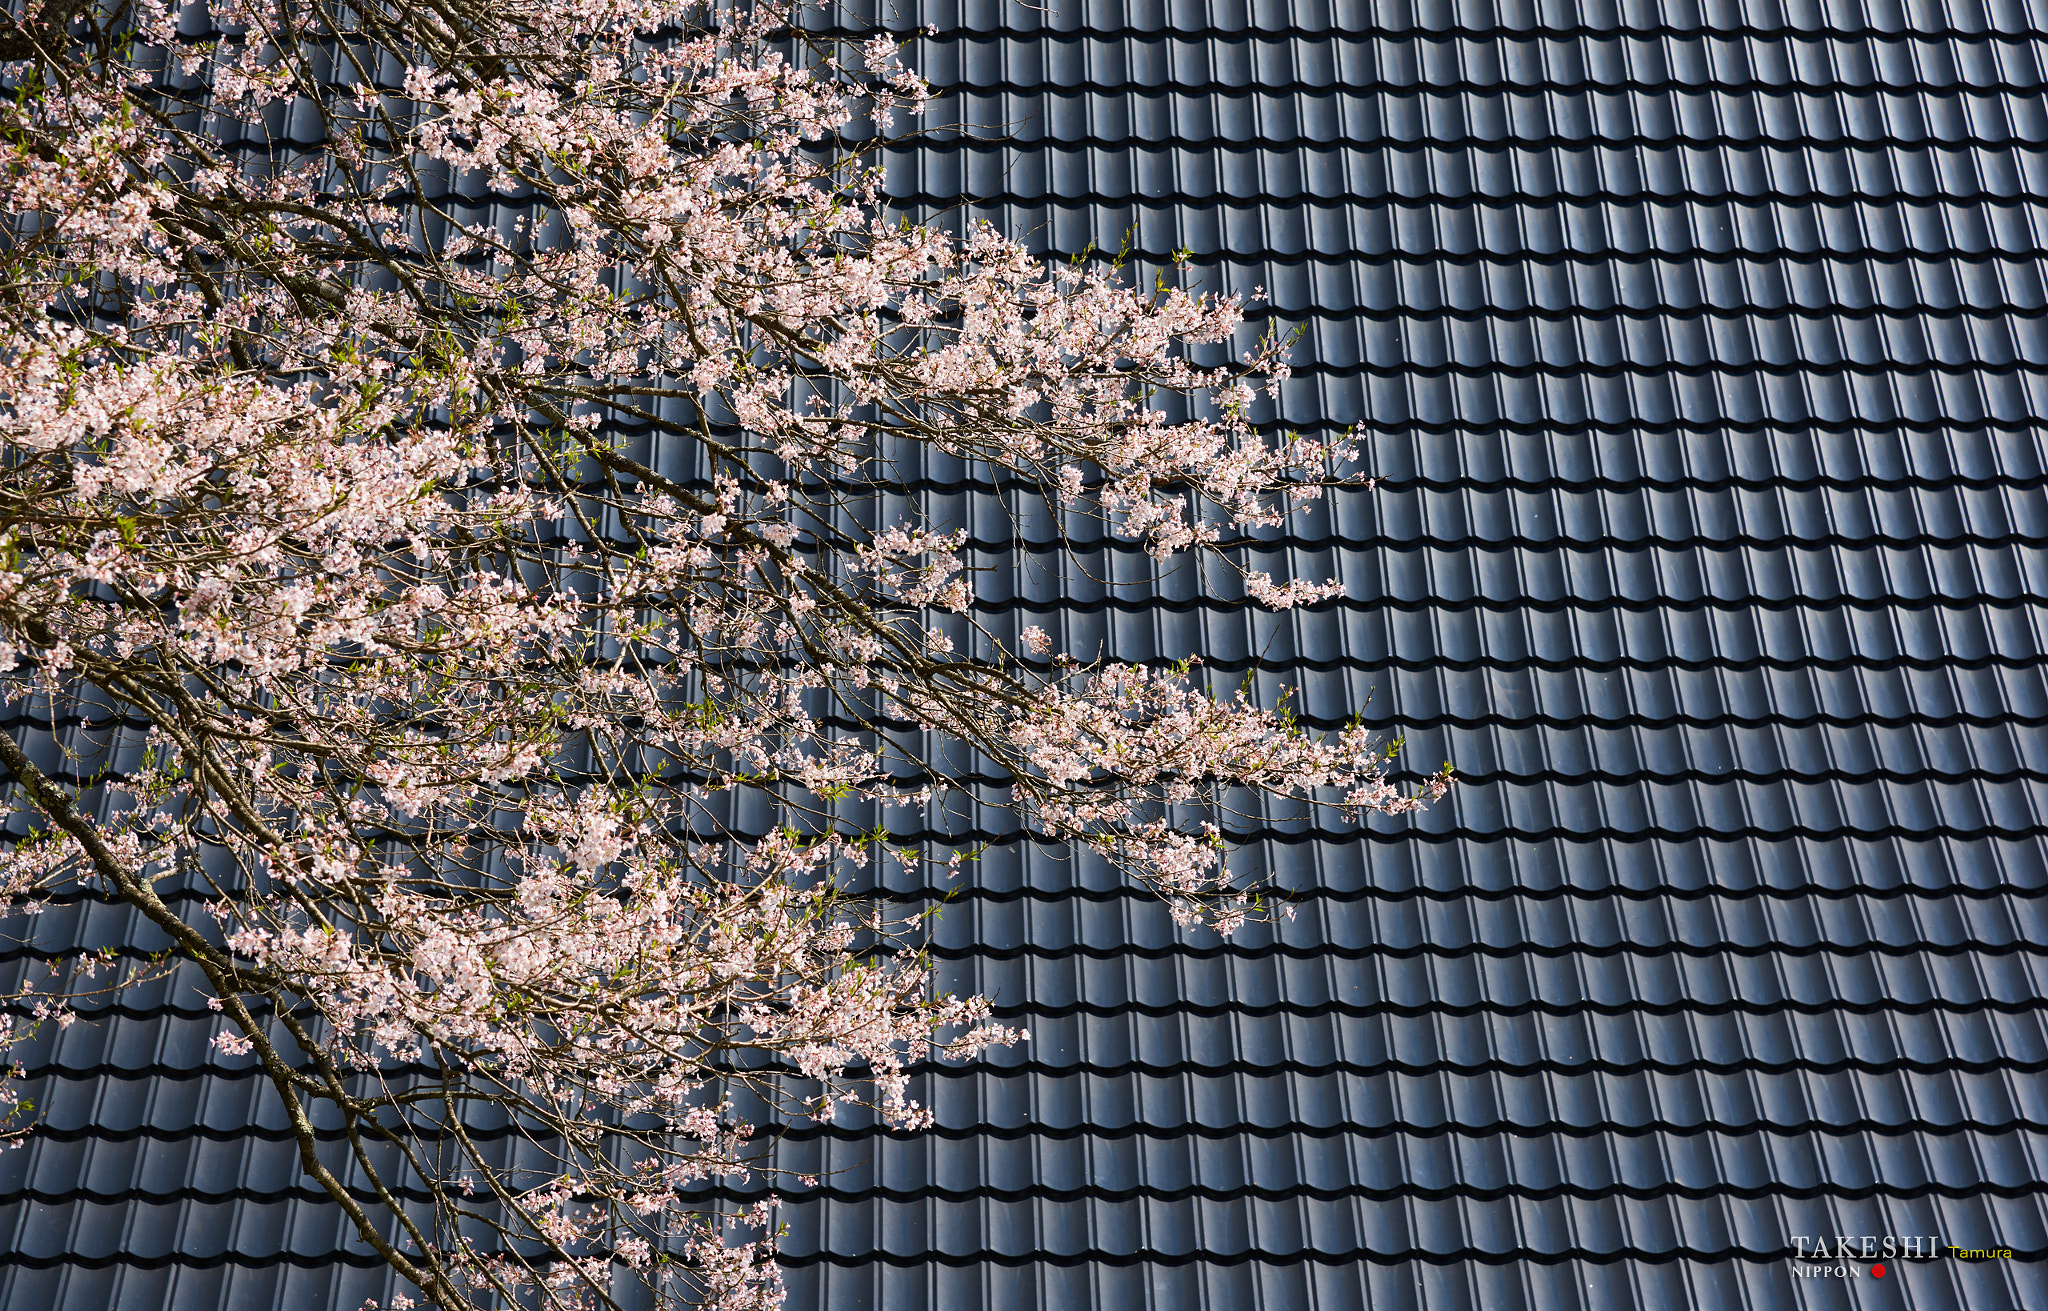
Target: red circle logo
1877	1271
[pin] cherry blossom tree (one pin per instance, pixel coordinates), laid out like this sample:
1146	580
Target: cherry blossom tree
448	569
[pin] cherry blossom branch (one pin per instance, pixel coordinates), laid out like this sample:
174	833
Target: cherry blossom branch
447	682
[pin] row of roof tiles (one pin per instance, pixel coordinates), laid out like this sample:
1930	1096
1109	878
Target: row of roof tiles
880	1285
1779	68
1536	177
1169	98
1423	224
1497	1165
1849	721
1359	866
973	1103
1696	122
1349	1228
1238	19
1438	955
1985	1038
1332	289
1398	1283
1529	517
1693	461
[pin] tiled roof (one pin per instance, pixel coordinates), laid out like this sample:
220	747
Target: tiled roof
1701	351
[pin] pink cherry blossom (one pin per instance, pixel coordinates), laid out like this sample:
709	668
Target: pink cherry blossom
464	574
